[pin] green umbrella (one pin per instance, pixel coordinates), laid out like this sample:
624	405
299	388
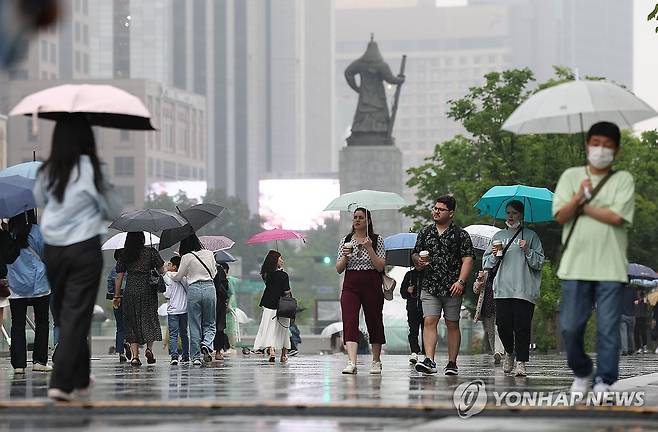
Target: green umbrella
369	199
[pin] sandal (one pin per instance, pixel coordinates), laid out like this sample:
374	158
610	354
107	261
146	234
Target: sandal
272	356
136	361
150	358
284	358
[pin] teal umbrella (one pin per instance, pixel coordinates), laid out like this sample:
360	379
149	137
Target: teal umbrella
369	199
538	202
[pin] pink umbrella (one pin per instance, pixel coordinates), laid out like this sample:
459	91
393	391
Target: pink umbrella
104	105
216	243
275	234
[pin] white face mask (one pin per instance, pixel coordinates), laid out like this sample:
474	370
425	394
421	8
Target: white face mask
600	157
515	225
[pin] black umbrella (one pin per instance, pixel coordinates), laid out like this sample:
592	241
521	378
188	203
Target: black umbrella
197	217
399	257
151	220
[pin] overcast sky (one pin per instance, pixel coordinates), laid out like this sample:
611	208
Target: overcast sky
645	59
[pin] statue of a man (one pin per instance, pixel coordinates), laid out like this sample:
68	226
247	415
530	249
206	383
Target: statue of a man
371	120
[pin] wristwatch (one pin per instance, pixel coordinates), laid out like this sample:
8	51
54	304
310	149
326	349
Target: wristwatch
461	282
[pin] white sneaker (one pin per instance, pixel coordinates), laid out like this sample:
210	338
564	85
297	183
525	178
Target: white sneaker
520	369
602	392
38	367
376	368
601	388
656	351
413	358
497	358
581	385
59	395
350	369
196	362
508	364
19	371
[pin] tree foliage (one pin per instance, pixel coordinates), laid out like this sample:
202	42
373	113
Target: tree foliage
653	15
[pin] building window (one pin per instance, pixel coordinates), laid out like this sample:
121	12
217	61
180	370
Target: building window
127	194
158	168
169	170
53	53
77	61
77	5
150	167
44	50
124	166
85	7
183	172
77	32
85	64
85	34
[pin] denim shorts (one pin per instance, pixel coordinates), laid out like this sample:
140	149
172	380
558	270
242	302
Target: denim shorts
433	305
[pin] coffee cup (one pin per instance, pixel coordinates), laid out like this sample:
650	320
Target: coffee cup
349	247
498	244
424	256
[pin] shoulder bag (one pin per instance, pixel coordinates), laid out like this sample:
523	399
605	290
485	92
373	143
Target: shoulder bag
155	278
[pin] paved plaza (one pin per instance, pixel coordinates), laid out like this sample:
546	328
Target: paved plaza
309	393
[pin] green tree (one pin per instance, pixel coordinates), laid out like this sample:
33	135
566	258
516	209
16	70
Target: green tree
653	15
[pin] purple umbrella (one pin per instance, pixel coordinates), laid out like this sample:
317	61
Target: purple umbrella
639	271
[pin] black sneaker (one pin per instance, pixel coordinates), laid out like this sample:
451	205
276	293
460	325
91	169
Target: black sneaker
427	366
122	358
207	354
293	352
185	360
451	369
126	350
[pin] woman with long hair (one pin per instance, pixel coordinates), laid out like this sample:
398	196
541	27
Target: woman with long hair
273	332
516	285
29	287
76	199
361	256
198	266
139	299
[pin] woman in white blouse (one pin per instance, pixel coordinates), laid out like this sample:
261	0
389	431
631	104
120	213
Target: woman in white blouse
363	264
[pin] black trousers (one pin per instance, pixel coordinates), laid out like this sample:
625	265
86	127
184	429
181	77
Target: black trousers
514	321
640	332
18	349
415	321
221	340
74	273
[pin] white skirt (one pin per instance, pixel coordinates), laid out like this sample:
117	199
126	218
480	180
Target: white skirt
4	302
272	332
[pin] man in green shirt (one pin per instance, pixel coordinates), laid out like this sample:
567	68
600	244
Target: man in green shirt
593	268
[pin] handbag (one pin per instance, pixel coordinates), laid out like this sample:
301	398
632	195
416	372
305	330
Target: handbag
388	286
4	288
287	309
488	301
155	279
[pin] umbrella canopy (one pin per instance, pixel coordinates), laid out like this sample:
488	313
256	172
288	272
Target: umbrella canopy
16	196
639	271
275	235
399	257
118	241
197	217
481	235
222	256
27	170
538	202
216	243
369	199
575	106
334	328
104	105
400	241
150	220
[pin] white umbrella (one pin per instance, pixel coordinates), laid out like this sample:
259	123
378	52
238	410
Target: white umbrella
481	235
162	310
332	329
574	106
117	241
369	199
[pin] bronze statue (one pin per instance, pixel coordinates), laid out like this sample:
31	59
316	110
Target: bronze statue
372	124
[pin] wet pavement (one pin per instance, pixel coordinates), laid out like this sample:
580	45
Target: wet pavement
309	393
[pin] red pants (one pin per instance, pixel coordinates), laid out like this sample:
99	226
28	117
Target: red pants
362	288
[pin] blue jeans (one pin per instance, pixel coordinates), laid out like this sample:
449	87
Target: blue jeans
578	300
178	326
201	309
120	335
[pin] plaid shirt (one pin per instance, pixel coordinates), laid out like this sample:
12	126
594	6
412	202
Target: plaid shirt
446	253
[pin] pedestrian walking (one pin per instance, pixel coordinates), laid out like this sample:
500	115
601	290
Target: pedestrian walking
198	266
485	311
641	322
595	205
139	299
120	345
273	331
76	199
220	343
444	256
361	255
176	295
409	290
519	255
29	287
627	324
9	251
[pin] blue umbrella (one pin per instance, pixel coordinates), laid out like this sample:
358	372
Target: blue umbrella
222	256
27	170
538	202
400	241
639	271
16	196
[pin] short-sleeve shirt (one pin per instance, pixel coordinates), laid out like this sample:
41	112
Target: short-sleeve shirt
360	260
596	251
446	253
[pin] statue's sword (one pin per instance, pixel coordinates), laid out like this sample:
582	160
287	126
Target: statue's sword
394	109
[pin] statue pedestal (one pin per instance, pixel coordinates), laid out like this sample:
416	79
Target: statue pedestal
375	167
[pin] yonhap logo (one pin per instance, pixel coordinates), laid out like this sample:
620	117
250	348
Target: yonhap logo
470	398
